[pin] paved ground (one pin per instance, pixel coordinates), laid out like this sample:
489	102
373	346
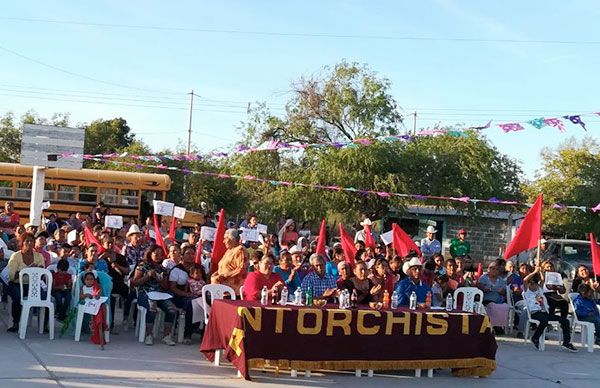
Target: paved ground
38	362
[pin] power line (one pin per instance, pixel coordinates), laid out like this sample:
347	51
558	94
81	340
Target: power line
71	73
305	34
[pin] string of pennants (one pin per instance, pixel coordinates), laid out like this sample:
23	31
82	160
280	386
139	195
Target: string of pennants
277	145
366	192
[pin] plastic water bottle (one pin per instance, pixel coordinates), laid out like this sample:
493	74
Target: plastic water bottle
298	296
346	299
354	299
341	300
284	296
264	296
413	301
394	300
309	297
449	302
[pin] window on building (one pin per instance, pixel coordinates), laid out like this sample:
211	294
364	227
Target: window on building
108	196
66	193
129	198
49	190
6	189
24	190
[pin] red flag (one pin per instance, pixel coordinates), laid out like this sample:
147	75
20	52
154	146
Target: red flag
158	237
530	231
595	255
321	240
347	246
219	248
369	242
172	228
91	239
402	242
479	271
198	256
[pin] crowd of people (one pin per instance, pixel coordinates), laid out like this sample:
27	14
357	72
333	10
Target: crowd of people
139	267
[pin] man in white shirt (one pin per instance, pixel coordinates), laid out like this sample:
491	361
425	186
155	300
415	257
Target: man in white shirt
429	245
537	304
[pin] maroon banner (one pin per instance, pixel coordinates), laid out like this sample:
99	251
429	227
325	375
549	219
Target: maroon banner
330	338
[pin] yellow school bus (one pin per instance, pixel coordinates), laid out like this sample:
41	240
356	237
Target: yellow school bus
72	191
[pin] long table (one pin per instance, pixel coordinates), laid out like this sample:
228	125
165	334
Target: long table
311	338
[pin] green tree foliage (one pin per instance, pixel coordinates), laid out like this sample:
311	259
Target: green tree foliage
569	175
342	103
106	136
11	131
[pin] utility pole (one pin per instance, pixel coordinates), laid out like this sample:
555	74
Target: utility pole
189	144
415	123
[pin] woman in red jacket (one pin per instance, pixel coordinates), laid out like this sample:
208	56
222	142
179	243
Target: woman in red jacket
255	281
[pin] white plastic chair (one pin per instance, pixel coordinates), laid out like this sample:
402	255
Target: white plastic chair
543	336
241	292
34	299
511	313
588	329
469	302
81	314
159	321
216	291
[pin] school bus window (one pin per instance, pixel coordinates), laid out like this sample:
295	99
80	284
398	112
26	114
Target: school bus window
108	196
129	198
6	189
87	194
66	193
24	190
49	189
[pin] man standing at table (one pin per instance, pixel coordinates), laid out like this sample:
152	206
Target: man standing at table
429	245
458	246
412	283
321	284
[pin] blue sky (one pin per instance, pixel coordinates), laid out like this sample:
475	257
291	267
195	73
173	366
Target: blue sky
143	74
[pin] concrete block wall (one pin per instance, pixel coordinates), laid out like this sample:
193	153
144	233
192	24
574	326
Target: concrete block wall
486	235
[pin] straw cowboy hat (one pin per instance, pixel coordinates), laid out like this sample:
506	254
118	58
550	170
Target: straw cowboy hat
133	229
431	229
366	222
414	262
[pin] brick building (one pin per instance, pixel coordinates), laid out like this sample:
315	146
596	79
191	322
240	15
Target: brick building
488	233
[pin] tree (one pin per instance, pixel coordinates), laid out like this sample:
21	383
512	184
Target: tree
570	175
107	136
342	103
10	131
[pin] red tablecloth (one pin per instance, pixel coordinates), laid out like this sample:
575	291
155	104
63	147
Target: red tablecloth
329	338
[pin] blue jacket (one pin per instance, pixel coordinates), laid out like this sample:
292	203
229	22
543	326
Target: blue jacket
585	307
406	287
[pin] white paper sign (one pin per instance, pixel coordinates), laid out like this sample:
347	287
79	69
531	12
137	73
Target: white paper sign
249	234
92	306
155	295
45	205
152	234
207	233
113	222
179	212
553	279
72	236
387	237
163	208
262	229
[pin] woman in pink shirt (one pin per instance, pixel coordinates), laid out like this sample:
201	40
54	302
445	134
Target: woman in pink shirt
264	277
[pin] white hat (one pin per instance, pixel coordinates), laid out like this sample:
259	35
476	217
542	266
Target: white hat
543	241
133	229
29	225
431	229
294	249
414	262
366	222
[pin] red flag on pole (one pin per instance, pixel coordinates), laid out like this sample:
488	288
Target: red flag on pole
321	240
530	231
172	228
158	237
347	246
198	256
369	242
91	239
402	242
479	271
219	248
595	255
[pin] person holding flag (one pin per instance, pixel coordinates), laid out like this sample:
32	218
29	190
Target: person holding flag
232	268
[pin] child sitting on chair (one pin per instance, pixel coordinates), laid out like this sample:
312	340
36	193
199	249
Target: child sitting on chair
196	281
91	289
537	304
62	284
586	309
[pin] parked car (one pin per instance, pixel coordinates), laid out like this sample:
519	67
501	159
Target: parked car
567	255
